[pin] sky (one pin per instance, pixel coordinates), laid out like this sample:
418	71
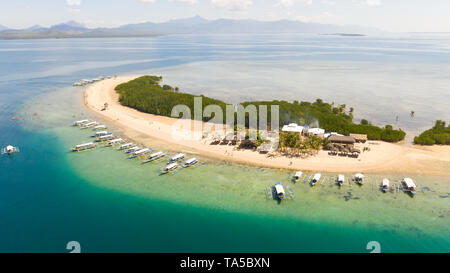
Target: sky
389	15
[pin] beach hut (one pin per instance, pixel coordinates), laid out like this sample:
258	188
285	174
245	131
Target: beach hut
342	140
293	127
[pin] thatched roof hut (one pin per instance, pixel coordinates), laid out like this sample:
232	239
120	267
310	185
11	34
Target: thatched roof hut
359	137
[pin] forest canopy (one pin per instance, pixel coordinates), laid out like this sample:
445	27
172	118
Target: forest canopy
147	95
439	134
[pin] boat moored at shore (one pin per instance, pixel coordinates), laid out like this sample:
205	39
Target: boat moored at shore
126	146
84	146
114	142
140	152
385	185
316	179
297	176
99	127
88	125
80	122
155	156
190	162
340	180
409	185
359	178
176	158
279	190
101	133
10	150
170	167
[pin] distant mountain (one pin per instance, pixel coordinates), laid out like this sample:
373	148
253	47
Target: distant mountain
194	25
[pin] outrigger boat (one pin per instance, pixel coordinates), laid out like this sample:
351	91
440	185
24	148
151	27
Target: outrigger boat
132	149
101	133
279	190
99	127
190	162
10	150
170	167
126	146
340	180
385	185
140	152
88	125
110	136
359	177
154	156
82	147
316	179
114	142
297	176
176	158
409	186
80	122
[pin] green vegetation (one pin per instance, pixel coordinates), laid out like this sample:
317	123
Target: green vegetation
293	144
147	95
439	134
329	117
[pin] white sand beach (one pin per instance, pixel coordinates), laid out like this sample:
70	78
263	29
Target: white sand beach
382	157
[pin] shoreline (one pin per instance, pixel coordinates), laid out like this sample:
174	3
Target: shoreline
383	157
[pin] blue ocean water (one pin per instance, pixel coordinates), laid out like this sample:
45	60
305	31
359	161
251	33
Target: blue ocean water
47	201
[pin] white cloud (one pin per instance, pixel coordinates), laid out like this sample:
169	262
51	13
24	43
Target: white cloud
73	2
290	3
315	19
373	2
233	5
184	1
74	11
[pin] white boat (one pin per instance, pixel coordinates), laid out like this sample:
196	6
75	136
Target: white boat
82	147
385	185
316	179
105	137
101	133
132	149
10	150
409	185
126	146
80	122
279	190
114	142
190	162
176	158
340	179
99	127
170	167
140	152
88	125
298	175
359	177
154	156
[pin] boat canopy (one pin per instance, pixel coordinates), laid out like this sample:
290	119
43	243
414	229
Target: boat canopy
385	182
142	151
190	161
170	166
298	174
279	189
341	178
156	154
177	157
409	182
359	176
84	145
317	176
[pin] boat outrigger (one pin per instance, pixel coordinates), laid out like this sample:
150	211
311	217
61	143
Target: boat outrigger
82	147
316	179
10	150
114	142
88	125
340	180
170	167
140	152
80	122
385	185
297	176
409	186
154	156
359	177
176	158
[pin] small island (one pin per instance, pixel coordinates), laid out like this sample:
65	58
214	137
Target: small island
439	134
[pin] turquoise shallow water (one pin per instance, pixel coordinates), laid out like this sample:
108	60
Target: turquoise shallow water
50	196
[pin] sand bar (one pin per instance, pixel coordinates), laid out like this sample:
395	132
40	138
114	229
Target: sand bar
382	158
